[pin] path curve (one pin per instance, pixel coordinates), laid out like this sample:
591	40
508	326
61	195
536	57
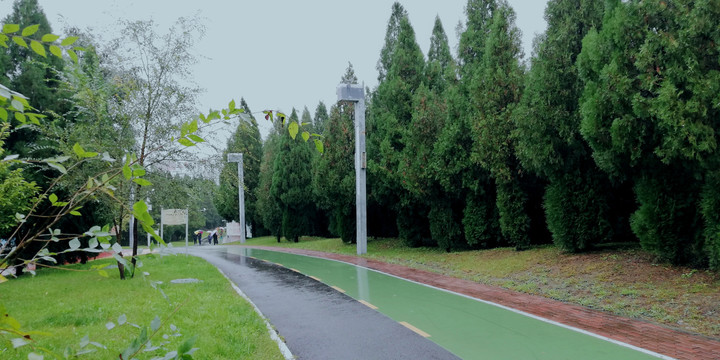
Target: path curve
662	340
315	320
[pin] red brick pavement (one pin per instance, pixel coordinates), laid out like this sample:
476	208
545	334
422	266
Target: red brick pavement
660	339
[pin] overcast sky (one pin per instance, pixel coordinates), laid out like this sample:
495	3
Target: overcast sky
280	54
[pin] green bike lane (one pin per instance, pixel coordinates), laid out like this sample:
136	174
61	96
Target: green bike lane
467	327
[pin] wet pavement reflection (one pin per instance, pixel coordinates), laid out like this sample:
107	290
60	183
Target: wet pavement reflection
315	320
468	328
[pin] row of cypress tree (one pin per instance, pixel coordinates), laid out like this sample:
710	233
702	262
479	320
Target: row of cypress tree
607	135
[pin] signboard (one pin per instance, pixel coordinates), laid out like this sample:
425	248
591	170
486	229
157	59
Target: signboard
174	216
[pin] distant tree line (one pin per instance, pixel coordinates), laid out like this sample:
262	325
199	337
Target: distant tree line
607	135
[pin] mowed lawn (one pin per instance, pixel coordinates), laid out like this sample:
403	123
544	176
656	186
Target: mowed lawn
71	304
625	282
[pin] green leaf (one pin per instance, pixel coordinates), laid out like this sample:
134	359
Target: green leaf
319	146
49	37
139	172
75	213
79	151
293	129
20	41
268	115
57	166
20	117
196	138
282	118
74	244
306	136
231	105
69	41
38	48
3	114
127	173
193	126
107	157
18	342
141	213
10	28
30	30
53	198
186	142
213	115
73	56
55	50
155	324
187	345
142	182
17	105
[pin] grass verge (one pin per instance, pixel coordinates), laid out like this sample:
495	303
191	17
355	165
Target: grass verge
71	304
625	282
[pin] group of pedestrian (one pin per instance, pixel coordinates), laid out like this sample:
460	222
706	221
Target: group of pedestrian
212	237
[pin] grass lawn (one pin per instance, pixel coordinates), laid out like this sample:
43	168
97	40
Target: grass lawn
625	282
73	304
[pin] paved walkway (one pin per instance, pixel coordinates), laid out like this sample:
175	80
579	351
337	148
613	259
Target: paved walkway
660	339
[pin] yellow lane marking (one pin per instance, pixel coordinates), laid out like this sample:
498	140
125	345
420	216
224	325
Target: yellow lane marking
368	304
279	264
295	270
315	278
418	331
338	289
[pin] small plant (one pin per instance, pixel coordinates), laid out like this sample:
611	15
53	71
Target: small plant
689	274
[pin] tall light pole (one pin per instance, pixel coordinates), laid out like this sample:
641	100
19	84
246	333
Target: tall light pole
356	94
238	158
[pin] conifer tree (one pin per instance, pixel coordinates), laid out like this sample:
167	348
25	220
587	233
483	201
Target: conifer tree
246	140
268	206
455	171
649	113
334	173
578	197
291	183
391	35
495	91
320	119
390	117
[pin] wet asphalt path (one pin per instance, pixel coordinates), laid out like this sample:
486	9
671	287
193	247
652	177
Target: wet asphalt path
317	321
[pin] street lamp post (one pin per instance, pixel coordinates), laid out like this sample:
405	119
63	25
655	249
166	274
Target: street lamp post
356	94
238	158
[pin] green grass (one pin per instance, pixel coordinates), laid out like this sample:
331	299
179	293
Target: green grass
625	281
72	304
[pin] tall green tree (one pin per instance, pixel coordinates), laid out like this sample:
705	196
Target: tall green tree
649	113
36	78
390	116
306	120
457	174
292	184
320	118
268	206
495	92
578	198
334	172
246	140
440	65
420	167
391	35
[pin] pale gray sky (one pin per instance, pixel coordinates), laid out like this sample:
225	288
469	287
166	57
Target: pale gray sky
280	54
